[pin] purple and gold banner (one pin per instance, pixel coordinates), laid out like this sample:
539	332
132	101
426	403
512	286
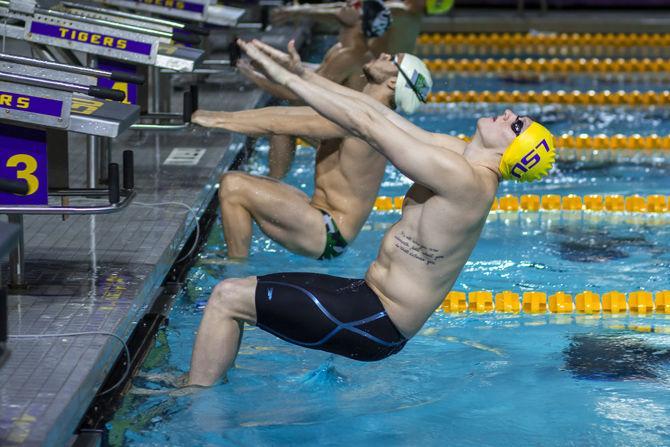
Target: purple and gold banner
91	38
23	156
175	4
27	103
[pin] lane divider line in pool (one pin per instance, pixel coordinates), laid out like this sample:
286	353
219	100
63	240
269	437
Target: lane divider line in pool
543	66
576	97
639	302
652	204
563	44
633	142
618	141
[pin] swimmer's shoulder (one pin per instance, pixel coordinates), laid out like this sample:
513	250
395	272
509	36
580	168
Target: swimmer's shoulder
451	143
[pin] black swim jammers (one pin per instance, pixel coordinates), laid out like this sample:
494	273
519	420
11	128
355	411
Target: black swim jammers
338	315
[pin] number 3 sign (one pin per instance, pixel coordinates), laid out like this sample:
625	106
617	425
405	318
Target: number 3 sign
23	156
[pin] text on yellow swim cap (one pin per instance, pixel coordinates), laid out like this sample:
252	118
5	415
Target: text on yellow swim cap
530	156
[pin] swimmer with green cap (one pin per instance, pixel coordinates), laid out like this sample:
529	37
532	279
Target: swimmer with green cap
358	21
434	7
421	255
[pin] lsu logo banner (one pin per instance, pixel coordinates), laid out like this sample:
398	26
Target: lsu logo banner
91	38
34	104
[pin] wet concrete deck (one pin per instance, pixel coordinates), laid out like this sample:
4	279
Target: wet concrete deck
102	273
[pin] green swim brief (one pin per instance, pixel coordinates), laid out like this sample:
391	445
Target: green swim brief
335	243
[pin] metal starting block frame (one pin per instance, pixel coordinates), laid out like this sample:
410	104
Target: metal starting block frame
145	43
9	235
203	11
41	103
105	37
115	41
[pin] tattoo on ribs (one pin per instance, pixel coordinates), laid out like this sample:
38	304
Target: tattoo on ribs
410	247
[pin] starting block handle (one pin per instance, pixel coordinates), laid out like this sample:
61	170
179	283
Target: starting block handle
14	186
234	52
114	190
190	103
106	93
185	37
196	29
128	170
131	78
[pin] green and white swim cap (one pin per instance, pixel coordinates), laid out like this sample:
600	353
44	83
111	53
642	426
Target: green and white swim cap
413	84
438	6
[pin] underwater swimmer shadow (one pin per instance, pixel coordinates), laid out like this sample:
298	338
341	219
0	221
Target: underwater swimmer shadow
591	246
614	357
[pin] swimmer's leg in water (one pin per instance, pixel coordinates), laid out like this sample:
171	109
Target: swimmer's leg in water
231	304
282	212
282	153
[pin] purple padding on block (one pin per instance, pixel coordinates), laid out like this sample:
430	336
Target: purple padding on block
112	65
23	156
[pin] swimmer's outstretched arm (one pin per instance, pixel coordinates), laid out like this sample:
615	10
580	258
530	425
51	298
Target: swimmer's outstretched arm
300	121
444	141
445	172
276	90
337	70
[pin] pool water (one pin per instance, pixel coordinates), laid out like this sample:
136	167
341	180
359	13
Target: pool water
466	379
525	82
473	379
460	118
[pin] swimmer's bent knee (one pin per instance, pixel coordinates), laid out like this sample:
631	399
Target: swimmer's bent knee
232	182
234	298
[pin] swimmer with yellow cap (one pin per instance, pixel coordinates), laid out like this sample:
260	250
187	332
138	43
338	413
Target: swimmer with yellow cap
420	257
531	152
530	156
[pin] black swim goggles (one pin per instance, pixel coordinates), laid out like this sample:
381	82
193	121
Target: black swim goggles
517	125
409	81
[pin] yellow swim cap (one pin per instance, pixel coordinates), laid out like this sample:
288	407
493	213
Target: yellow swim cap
530	156
438	6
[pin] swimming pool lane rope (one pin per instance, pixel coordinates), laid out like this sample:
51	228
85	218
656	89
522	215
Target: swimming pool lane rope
633	98
635	143
651	205
539	66
637	303
550	44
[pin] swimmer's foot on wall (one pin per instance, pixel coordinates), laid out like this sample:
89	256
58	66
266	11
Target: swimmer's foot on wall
222	261
173	392
166	379
170	384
